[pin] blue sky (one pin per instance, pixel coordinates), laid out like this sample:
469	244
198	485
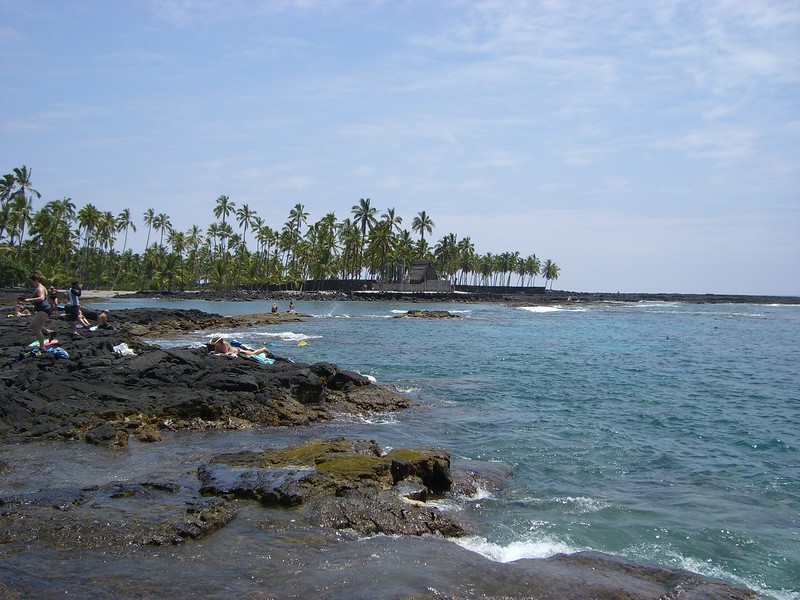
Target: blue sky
644	146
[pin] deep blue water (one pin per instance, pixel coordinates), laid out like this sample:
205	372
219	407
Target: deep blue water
666	433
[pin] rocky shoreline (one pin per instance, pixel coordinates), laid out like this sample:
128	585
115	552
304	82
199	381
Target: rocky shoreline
549	297
513	298
108	398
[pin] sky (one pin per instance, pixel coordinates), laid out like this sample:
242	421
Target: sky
644	146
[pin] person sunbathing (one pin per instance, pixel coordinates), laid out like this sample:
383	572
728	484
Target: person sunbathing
21	311
223	347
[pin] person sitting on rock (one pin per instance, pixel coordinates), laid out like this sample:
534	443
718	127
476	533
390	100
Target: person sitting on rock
102	320
83	321
274	307
21	311
223	347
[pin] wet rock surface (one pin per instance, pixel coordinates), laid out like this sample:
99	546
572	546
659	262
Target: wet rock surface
112	516
347	484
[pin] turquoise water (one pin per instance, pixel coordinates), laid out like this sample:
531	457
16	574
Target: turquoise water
666	433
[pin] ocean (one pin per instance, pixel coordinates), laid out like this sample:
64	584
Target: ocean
662	432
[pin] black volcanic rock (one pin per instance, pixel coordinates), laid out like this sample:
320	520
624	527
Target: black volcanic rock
102	397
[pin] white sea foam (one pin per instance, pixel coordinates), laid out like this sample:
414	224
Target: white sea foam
552	309
542	547
228	335
655	304
576	505
407	390
541	309
711	569
445	505
480	494
372	419
287	336
582	504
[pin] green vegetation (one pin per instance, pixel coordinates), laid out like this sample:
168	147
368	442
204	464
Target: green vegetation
61	241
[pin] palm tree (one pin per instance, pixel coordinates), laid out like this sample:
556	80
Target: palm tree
445	253
52	224
194	239
224	208
22	175
149	217
124	222
298	217
266	237
423	250
169	270
466	255
226	235
401	256
8	187
161	223
379	249
422	224
364	216
212	234
245	217
20	216
350	238
104	238
393	220
177	241
532	267
513	261
550	272
88	220
487	266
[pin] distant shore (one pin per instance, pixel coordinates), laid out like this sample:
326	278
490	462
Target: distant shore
547	298
8	296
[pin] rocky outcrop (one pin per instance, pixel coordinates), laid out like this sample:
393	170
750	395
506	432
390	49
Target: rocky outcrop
110	516
345	484
103	398
427	314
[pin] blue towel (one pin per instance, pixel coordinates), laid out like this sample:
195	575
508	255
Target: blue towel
263	359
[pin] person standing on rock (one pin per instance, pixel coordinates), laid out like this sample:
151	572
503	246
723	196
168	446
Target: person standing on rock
74	307
41	309
53	297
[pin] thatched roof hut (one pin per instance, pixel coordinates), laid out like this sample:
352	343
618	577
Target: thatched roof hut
422	271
